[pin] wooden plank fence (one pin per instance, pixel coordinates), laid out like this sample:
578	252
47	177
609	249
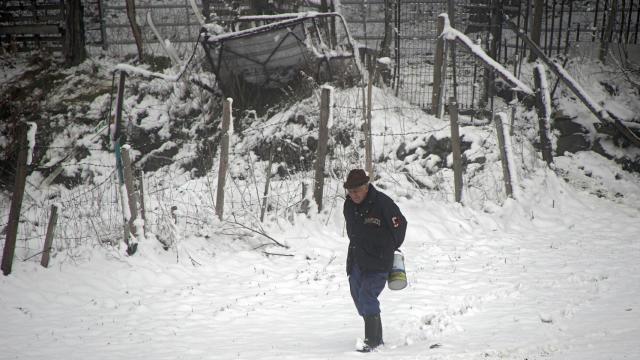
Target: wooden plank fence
25	25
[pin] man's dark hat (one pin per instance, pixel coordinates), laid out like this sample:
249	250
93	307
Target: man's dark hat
356	177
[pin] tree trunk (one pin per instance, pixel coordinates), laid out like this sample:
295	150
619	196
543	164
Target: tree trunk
206	9
73	48
437	67
260	7
607	36
324	6
385	44
536	29
135	28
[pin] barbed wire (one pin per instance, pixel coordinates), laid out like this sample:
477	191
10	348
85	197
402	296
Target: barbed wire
93	213
70	148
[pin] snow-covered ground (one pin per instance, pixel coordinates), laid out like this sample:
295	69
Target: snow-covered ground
552	275
555	275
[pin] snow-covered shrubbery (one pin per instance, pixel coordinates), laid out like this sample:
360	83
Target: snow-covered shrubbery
173	128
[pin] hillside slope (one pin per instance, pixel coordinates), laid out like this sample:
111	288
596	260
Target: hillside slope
551	275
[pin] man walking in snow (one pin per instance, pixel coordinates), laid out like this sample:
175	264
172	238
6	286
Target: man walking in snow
376	228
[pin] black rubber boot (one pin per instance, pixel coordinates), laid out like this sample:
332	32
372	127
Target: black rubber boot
380	342
372	332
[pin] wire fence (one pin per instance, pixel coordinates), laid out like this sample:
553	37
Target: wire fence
175	21
178	206
569	27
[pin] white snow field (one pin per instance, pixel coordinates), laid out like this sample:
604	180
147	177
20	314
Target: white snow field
554	275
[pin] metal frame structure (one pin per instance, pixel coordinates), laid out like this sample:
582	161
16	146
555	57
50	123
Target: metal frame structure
273	55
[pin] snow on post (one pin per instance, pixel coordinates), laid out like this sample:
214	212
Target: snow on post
544	111
134	70
126	214
130	191
331	102
126	210
227	131
452	34
230	125
31	140
544	87
506	156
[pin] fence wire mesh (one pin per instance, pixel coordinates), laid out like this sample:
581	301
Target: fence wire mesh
177	205
91	215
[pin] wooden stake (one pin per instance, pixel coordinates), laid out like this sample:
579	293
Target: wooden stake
443	82
119	106
121	190
16	201
224	156
506	172
536	29
266	184
323	139
437	68
131	193
135	28
543	98
140	192
367	130
456	149
117	150
304	203
48	240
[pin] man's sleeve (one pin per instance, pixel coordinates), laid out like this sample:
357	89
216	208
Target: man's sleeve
396	221
349	251
346	218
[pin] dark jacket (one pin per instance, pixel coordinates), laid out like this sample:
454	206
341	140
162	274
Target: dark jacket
376	228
